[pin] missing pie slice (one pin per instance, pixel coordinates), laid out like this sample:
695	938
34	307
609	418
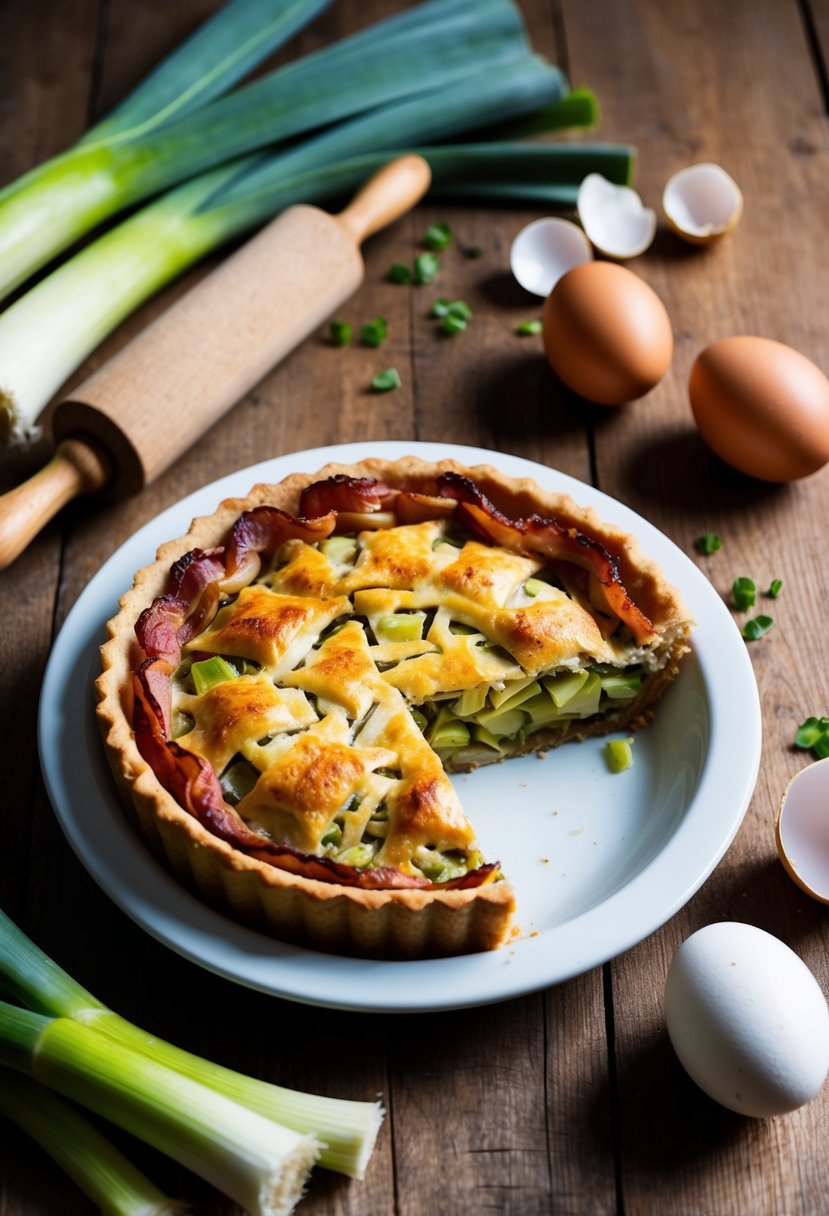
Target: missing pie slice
285	689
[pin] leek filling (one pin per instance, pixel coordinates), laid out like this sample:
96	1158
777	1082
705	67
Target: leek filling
461	727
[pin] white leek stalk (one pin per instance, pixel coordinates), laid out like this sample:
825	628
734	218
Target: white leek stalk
102	1172
256	1162
348	1129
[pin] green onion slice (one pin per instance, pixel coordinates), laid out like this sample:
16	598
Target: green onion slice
437	237
340	332
426	267
398	273
756	627
527	329
744	593
374	333
708	543
385	382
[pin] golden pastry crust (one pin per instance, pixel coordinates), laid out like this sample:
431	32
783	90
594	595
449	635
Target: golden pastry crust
471	586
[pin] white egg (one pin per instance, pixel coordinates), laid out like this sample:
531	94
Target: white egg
747	1019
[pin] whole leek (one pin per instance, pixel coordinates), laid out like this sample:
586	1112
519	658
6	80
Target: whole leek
348	1129
256	1162
123	161
102	1172
121	269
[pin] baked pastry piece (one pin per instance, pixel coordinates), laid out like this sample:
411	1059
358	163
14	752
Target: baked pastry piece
285	688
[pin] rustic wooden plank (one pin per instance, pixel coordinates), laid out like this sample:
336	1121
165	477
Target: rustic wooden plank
318	395
43	106
690	82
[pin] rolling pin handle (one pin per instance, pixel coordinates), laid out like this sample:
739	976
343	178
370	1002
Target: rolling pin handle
77	467
390	193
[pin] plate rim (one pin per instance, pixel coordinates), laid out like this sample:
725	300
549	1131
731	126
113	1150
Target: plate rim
235	952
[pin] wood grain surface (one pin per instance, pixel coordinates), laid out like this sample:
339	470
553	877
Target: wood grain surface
569	1101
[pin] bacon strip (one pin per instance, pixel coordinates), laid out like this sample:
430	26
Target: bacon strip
264	529
539	537
358	495
158	626
411	508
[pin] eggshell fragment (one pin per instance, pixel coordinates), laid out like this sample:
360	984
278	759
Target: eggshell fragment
606	333
702	203
802	830
545	250
614	217
747	1020
762	407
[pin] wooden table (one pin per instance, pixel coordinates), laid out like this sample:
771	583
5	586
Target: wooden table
569	1100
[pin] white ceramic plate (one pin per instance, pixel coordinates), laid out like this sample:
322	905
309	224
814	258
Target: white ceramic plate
598	861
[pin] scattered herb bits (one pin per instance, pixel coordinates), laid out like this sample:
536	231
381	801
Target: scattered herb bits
756	627
340	332
708	543
744	593
385	382
426	267
775	588
618	754
398	273
528	329
454	315
453	324
437	237
813	736
375	332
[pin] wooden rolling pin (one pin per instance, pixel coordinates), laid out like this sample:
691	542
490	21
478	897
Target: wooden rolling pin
129	421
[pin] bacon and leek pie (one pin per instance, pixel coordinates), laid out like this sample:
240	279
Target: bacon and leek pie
286	687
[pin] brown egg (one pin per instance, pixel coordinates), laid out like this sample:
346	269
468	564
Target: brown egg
606	333
761	407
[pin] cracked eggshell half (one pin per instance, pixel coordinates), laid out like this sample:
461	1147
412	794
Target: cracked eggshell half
702	203
614	218
747	1020
802	830
545	250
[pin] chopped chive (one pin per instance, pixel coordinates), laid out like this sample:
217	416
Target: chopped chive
756	627
375	332
385	381
460	308
440	308
775	588
398	273
810	732
744	593
708	543
453	324
437	237
426	266
528	328
340	332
